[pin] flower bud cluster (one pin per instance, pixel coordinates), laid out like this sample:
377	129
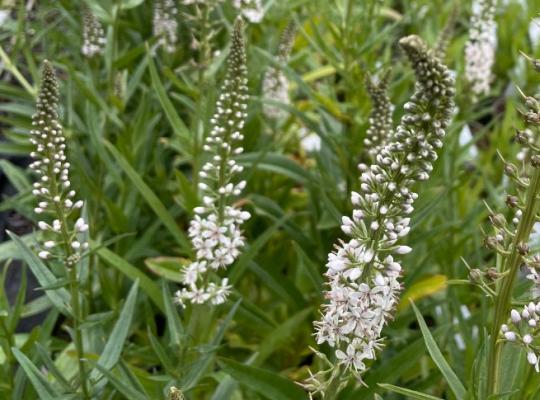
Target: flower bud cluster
523	329
215	231
93	35
444	38
57	204
363	273
252	10
481	47
275	84
503	239
165	25
380	130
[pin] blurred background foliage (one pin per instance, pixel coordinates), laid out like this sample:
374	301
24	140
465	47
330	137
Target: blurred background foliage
135	119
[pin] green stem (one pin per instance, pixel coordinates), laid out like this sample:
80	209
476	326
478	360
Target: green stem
75	304
9	353
504	296
8	65
335	385
73	281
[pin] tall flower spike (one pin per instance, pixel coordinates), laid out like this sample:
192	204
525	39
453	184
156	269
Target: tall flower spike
481	47
56	200
252	10
363	273
275	83
446	34
380	130
93	34
215	231
165	25
511	240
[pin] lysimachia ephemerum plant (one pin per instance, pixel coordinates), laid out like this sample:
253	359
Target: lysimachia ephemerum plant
60	221
363	273
275	84
215	231
165	24
380	129
481	47
510	240
93	35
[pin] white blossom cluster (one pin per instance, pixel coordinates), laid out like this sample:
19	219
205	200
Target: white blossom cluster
93	35
275	84
363	273
481	47
215	231
56	199
252	10
380	129
165	24
523	329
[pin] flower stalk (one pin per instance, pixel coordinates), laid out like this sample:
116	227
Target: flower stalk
56	202
512	246
363	273
215	231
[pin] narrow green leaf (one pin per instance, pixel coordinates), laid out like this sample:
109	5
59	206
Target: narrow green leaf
164	358
16	311
438	358
127	390
168	268
411	394
173	320
253	249
151	198
9	248
281	335
43	388
16	176
268	384
51	367
198	369
59	297
133	273
113	348
176	122
276	163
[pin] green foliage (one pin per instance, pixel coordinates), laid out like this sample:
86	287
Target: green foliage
136	118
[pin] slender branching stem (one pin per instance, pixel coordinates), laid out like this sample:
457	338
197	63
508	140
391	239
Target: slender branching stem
504	296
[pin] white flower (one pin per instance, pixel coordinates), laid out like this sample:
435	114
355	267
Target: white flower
362	274
481	47
215	231
165	25
533	360
93	35
251	9
310	142
525	324
44	254
52	170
